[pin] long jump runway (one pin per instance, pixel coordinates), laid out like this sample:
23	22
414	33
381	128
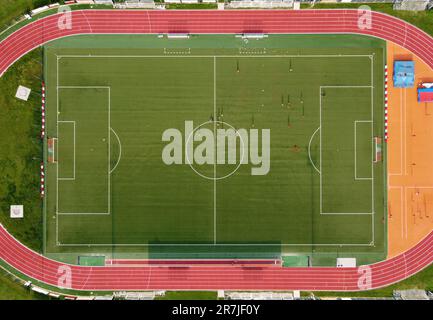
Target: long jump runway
148	277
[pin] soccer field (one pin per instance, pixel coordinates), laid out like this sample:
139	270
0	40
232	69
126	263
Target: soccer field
288	164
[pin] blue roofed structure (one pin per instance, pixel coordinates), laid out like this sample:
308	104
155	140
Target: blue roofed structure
404	74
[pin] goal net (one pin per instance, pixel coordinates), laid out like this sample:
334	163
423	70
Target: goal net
51	150
378	149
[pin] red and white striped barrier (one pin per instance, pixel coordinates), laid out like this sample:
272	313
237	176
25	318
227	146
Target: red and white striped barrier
386	103
42	179
42	137
43	111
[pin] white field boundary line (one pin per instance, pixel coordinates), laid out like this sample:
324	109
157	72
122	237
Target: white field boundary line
212	56
57	135
355	124
58	214
222	56
216	245
321	184
74	140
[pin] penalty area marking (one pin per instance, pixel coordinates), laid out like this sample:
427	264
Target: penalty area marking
372	178
109	156
355	124
57	139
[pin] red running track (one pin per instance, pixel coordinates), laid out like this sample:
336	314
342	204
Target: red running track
152	277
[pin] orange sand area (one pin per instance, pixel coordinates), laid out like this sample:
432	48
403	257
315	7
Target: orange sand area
410	158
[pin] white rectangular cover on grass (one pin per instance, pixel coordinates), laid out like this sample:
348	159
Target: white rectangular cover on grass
17	211
23	93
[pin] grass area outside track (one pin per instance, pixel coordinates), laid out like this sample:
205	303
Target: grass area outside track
21	150
157	210
10	289
12	9
20	156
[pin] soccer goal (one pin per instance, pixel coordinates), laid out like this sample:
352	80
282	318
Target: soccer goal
377	149
52	150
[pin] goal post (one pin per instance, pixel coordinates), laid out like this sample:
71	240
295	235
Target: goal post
377	149
52	150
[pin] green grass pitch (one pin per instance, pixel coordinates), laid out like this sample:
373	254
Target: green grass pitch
111	98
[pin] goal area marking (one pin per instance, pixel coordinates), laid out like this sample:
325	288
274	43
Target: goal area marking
74	149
